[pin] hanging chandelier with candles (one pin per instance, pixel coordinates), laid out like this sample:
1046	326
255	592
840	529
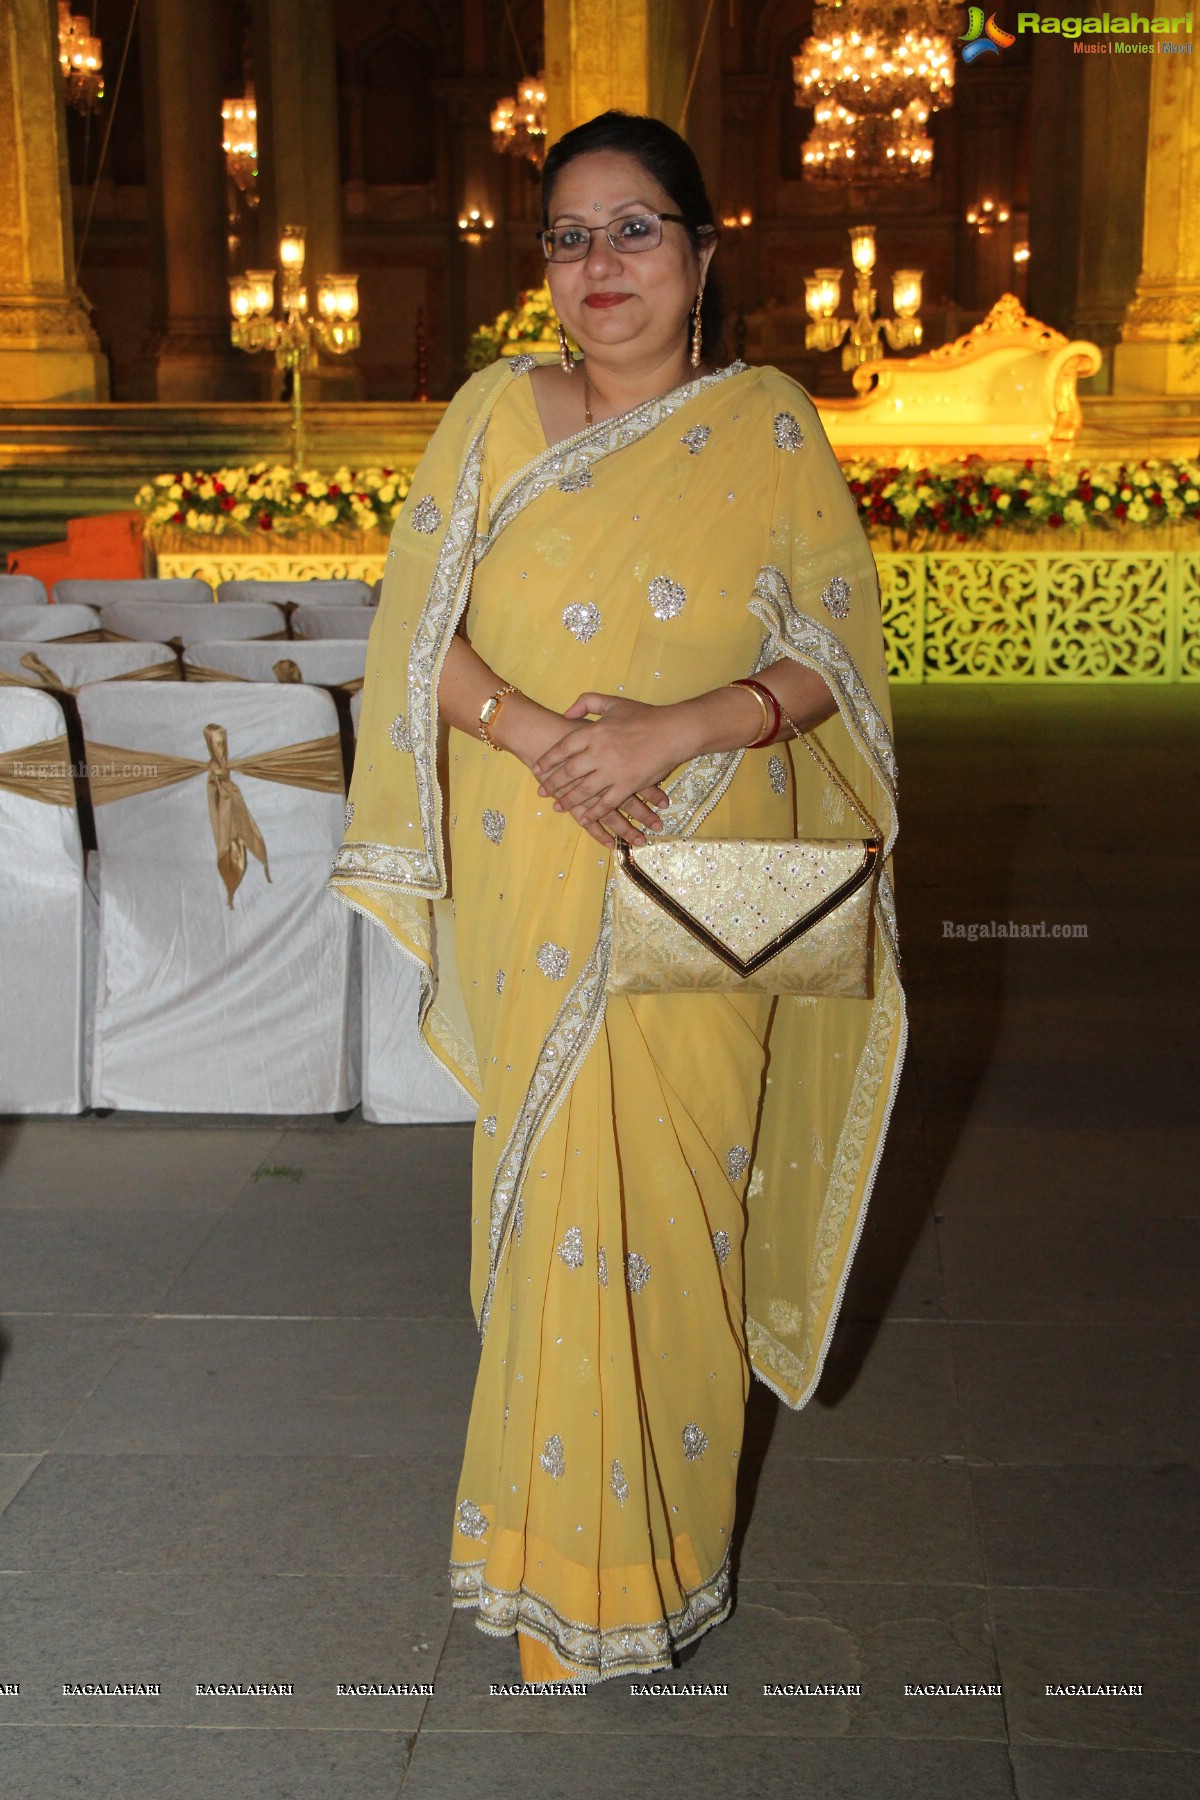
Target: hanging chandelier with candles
873	72
81	58
519	124
239	140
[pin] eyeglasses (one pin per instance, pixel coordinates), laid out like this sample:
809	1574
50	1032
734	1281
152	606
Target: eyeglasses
630	235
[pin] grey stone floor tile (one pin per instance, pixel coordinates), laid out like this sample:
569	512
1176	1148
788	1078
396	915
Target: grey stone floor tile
14	1473
1097	1527
859	1521
1050	1268
1055	1637
113	1763
1045	1772
897	1271
353	1257
887	1390
284	1387
60	1259
1135	1173
1026	1024
1078	1393
1079	1096
411	1164
311	1632
88	1163
506	1765
353	1516
48	1367
834	1635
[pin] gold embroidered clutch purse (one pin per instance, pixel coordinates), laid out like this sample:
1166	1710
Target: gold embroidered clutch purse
778	916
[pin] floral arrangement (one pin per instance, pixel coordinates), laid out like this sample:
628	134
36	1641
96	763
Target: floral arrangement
958	501
270	498
531	321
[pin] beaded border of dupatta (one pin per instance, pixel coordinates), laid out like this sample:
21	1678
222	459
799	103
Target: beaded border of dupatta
807	641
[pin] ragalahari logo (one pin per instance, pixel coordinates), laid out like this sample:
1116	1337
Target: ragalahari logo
983	38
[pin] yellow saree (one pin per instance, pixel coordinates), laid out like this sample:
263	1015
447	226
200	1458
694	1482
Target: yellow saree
667	1189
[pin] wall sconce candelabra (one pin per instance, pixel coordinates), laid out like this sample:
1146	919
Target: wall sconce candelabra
822	295
1020	253
987	215
239	141
81	58
298	336
474	226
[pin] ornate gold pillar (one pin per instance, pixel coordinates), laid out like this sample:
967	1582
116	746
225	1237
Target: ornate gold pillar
638	56
1151	357
48	350
190	347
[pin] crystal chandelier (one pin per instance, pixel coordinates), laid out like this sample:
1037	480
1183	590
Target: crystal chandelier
81	58
239	140
873	72
519	125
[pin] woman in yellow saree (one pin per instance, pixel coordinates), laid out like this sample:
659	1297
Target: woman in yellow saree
668	1188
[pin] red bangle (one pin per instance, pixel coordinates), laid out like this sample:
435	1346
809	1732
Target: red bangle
764	694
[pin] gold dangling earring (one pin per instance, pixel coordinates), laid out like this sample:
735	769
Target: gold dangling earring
564	351
697	332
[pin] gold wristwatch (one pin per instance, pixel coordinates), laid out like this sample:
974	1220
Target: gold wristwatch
488	711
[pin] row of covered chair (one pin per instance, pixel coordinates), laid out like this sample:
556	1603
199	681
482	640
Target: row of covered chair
197	962
179	622
27	590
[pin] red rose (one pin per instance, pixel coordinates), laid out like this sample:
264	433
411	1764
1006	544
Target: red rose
334	491
264	522
300	487
943	524
1120	509
1157	500
177	518
1054	519
218	486
227	502
1084	492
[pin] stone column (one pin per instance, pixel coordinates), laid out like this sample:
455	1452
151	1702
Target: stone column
637	55
48	350
295	89
1151	357
190	347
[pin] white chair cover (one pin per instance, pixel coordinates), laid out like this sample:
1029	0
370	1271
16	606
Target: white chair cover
327	662
44	912
77	665
191	624
22	590
298	593
332	621
402	1084
203	1007
180	590
43	624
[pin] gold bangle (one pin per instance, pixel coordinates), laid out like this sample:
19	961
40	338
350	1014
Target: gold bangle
762	707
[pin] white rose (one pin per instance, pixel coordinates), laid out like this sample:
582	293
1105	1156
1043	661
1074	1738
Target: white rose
1003	502
1139	511
1102	503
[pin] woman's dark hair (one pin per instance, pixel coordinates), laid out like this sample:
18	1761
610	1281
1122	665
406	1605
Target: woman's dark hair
671	162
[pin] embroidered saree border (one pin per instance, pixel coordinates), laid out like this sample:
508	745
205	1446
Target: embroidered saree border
598	1651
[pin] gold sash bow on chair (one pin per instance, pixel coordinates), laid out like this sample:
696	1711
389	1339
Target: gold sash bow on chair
40	771
46	678
288	672
116	773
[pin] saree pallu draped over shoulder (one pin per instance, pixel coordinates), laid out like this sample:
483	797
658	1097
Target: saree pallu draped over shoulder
668	1188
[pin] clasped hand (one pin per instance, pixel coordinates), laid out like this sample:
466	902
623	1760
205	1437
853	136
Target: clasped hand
606	770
